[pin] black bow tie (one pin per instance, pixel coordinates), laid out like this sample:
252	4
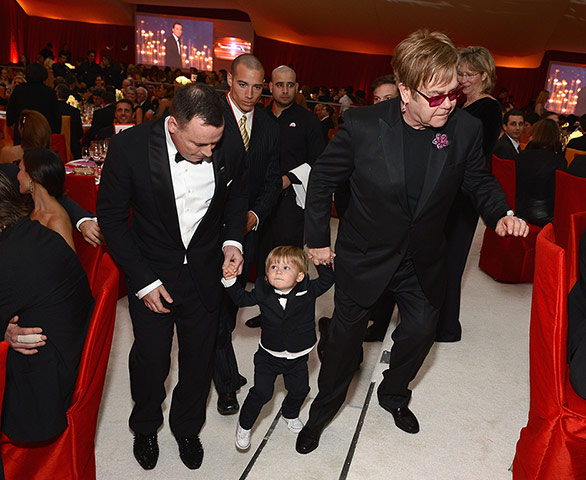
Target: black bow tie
282	295
180	158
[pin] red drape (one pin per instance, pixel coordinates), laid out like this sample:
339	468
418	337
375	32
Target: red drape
21	34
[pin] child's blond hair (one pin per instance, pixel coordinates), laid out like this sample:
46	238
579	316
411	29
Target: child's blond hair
288	252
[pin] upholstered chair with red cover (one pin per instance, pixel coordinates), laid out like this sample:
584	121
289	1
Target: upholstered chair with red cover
71	455
508	259
577	227
59	145
570	197
553	444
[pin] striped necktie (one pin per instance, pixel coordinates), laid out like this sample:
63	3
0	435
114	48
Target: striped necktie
243	131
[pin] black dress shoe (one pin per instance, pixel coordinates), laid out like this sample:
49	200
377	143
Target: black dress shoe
190	451
307	440
405	419
253	322
227	403
146	450
374	335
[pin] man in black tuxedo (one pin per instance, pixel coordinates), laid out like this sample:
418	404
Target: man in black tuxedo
103	117
122	116
507	147
405	158
580	142
184	183
76	127
173	47
249	126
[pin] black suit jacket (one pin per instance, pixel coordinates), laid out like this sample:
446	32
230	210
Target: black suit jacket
326	125
103	117
76	127
578	143
172	57
137	174
505	149
261	159
378	228
34	96
292	328
578	166
577	326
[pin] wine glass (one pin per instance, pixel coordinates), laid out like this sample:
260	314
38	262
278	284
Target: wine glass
85	154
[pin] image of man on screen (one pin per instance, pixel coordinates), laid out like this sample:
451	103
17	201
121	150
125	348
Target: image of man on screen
173	47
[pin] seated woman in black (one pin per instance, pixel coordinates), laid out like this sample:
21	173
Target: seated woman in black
536	167
44	292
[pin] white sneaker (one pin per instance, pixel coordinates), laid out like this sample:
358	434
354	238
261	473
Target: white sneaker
242	439
294	424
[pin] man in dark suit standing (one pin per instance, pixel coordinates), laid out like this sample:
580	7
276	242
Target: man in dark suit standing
187	198
507	147
173	47
103	117
249	126
76	127
405	158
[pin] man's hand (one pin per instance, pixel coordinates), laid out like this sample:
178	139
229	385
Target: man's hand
153	302
320	256
21	339
250	222
286	182
233	262
511	225
91	233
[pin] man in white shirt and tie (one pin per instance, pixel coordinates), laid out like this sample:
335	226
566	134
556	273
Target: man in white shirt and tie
508	146
173	55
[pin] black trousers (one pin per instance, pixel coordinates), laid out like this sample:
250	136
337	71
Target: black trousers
226	374
266	369
460	229
413	339
150	359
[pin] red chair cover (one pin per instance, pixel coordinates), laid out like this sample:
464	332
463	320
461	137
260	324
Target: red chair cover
553	444
570	197
71	454
3	352
577	227
508	259
59	145
82	189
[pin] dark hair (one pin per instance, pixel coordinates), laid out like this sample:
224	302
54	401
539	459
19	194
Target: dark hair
197	100
177	23
36	73
125	100
545	136
62	91
70	79
11	207
510	113
91	51
349	90
583	122
98	92
34	128
532	118
383	80
249	61
46	168
109	97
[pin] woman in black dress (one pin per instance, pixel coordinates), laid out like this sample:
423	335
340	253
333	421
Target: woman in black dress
536	167
476	74
43	290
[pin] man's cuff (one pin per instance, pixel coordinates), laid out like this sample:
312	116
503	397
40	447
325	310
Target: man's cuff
228	283
257	220
84	219
232	243
148	289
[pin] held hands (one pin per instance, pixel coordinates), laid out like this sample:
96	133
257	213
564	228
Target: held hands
321	256
91	233
233	262
152	300
512	226
24	340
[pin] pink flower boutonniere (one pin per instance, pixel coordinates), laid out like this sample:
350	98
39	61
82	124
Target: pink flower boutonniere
440	141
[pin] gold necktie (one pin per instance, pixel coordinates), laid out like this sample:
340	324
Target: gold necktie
243	131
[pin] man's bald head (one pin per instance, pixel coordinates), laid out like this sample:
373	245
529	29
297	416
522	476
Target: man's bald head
249	61
283	69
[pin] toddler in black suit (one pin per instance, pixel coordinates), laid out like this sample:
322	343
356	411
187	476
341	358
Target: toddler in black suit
286	298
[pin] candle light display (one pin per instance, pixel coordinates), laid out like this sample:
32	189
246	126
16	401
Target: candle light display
564	83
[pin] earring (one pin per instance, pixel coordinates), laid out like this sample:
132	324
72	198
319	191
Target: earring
403	107
31	186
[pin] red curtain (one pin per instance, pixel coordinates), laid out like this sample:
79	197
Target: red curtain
21	34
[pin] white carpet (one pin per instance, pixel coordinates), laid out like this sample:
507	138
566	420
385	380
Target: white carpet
471	399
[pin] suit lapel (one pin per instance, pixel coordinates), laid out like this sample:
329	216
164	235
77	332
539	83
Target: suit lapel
391	138
435	164
161	180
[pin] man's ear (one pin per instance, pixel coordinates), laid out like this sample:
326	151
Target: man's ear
172	125
405	93
229	79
